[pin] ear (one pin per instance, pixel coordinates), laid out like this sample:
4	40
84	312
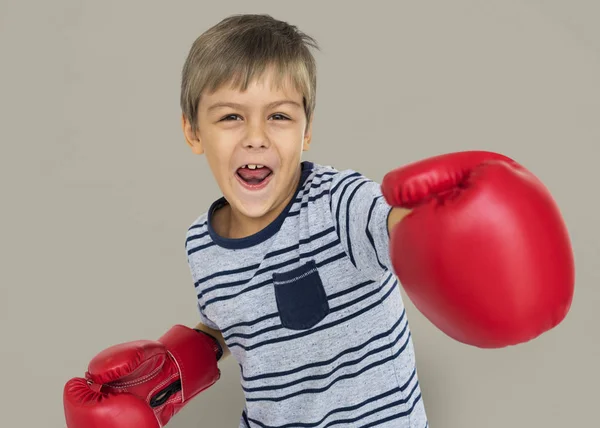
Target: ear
192	139
307	137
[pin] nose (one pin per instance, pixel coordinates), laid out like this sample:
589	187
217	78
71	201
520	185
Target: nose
256	136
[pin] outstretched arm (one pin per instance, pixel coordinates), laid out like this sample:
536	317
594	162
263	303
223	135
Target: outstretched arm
395	217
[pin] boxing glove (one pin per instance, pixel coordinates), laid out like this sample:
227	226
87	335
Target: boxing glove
144	383
483	253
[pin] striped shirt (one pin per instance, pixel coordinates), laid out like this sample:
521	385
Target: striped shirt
311	309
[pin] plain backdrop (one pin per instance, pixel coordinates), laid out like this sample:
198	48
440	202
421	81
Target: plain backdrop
99	187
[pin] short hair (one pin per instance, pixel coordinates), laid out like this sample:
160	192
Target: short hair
239	49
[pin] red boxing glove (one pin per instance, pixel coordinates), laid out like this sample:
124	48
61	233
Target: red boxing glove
484	254
142	384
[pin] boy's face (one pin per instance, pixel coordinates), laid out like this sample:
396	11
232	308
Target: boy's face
264	125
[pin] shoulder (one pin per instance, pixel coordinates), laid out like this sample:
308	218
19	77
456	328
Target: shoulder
197	233
327	178
331	179
198	226
327	187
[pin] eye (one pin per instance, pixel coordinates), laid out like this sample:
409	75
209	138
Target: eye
230	117
279	116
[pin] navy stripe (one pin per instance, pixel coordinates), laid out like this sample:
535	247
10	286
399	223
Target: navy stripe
370	235
195	237
293	214
196	226
326	362
348	222
351	289
359	405
339	183
201	247
338	379
315	185
398	402
348	363
226	273
314	198
339	204
322	327
397	415
248	323
304	241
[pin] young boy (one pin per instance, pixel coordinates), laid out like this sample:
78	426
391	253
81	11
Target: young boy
291	265
294	266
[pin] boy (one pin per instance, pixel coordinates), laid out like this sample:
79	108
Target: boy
294	267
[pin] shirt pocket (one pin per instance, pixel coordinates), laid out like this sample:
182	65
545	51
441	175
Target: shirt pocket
300	296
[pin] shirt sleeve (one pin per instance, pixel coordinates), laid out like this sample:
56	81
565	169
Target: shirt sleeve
204	319
360	213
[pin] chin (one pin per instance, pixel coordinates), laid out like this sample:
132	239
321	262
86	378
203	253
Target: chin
255	210
253	206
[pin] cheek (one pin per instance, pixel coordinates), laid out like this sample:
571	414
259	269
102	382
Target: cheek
290	149
289	138
218	146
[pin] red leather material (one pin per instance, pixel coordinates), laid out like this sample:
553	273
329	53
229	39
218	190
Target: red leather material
194	359
142	383
485	254
85	407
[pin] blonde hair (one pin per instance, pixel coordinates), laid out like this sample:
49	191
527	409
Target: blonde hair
239	49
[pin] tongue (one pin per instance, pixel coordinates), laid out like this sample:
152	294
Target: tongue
254	175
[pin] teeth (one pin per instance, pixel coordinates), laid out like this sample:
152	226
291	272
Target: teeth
253	166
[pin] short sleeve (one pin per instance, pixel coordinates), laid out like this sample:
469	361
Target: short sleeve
360	214
205	320
194	233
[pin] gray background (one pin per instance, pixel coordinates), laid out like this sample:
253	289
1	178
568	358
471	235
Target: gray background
99	187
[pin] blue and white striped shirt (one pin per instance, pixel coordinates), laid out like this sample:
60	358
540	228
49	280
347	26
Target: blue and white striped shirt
311	309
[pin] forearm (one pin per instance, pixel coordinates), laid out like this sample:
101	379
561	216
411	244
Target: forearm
217	335
395	217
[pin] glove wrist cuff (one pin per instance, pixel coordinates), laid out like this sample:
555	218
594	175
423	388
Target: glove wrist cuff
218	348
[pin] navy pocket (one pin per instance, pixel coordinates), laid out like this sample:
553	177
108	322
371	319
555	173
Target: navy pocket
301	298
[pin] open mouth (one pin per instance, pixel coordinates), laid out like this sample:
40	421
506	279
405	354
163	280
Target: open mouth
254	176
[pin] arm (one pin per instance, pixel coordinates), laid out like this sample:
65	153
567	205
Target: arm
396	215
363	220
217	335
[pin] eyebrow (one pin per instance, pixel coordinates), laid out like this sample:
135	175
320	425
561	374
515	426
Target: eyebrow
239	106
